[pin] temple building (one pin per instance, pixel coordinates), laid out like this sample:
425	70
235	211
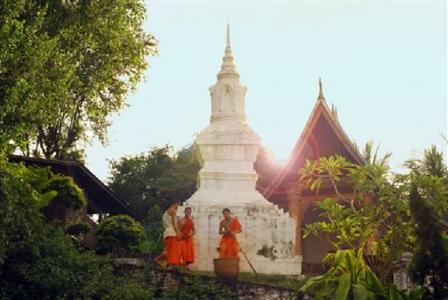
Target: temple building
101	201
322	136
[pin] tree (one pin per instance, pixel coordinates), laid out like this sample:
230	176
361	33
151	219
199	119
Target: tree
374	217
65	66
432	164
146	180
429	207
23	57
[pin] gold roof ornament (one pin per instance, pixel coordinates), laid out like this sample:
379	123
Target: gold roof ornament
321	92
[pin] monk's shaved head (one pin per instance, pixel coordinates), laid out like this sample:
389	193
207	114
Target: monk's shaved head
187	211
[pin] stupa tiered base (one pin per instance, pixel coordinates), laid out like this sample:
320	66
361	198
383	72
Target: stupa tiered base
267	236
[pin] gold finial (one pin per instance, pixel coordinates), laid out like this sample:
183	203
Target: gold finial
321	93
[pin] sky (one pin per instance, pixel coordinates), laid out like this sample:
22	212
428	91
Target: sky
382	63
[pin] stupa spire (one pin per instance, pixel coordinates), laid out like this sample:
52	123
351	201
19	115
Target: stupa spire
228	69
228	35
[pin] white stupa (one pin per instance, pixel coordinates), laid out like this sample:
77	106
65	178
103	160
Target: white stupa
229	147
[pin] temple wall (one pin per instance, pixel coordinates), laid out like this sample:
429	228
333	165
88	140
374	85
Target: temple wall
312	249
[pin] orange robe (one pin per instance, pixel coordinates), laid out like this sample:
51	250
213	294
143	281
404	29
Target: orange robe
187	245
228	247
172	247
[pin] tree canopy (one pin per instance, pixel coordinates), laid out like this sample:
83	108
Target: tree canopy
429	206
65	66
149	179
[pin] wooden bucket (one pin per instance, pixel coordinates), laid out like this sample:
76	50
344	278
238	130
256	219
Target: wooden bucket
227	268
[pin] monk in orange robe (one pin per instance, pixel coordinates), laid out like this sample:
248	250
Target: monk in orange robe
187	231
171	237
229	227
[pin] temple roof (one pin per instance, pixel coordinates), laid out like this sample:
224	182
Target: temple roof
100	198
322	136
323	128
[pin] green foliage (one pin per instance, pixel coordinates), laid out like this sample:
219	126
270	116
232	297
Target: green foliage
38	260
373	157
431	164
23	57
146	180
341	220
397	294
19	206
154	229
65	66
331	168
380	209
348	278
67	192
109	283
49	267
119	235
375	216
36	179
351	278
79	229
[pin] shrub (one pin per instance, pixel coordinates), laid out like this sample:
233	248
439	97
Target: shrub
79	228
68	192
119	235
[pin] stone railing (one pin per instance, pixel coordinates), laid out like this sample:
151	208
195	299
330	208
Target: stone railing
243	290
169	280
312	269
